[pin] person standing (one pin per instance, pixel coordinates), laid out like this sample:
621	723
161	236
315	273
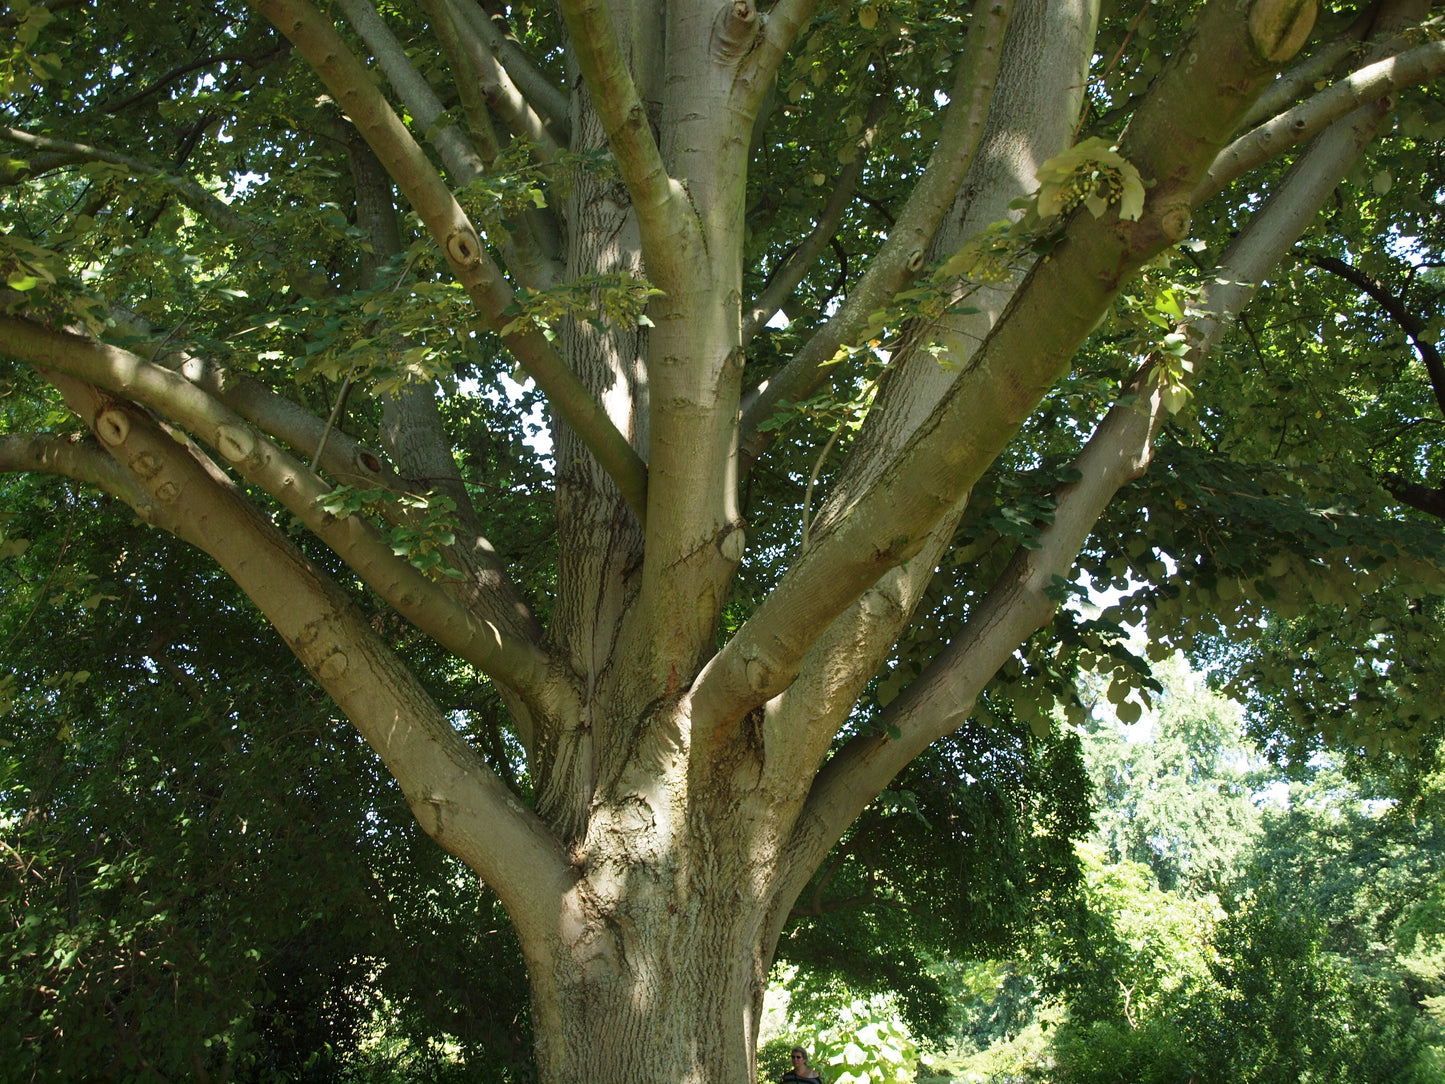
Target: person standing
801	1070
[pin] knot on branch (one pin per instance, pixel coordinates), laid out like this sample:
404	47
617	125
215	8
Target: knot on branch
731	543
1278	28
333	666
735	30
144	465
464	248
112	426
1175	221
235	442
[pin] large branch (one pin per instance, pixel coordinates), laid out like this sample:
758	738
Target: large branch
208	206
496	84
342	457
668	227
1039	92
1019	603
902	255
1310	117
531	266
416	435
456	797
351	86
515	662
487	587
1301	77
550	101
1193	108
77	457
1422	498
457	153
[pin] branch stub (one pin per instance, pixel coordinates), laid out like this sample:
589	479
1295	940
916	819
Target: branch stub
234	442
464	248
112	426
1279	27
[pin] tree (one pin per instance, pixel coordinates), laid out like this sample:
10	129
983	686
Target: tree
198	880
220	314
1177	799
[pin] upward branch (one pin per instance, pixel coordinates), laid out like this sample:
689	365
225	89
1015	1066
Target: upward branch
550	104
496	83
902	256
667	226
1119	450
1193	108
353	89
800	261
785	22
519	248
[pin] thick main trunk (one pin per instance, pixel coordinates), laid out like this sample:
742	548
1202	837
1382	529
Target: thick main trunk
655	971
680	1001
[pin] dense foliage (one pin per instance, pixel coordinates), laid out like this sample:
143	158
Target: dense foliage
1315	957
204	875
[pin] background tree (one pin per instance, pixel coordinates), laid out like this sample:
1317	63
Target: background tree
223	314
1331	901
1176	795
203	877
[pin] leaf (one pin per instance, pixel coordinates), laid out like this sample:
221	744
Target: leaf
1090	171
1174	397
1131	200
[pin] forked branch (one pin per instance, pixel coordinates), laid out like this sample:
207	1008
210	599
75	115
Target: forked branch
1312	116
902	255
1019	603
1189	114
519	664
456	796
353	89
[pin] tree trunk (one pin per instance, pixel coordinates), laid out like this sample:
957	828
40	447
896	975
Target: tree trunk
663	980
